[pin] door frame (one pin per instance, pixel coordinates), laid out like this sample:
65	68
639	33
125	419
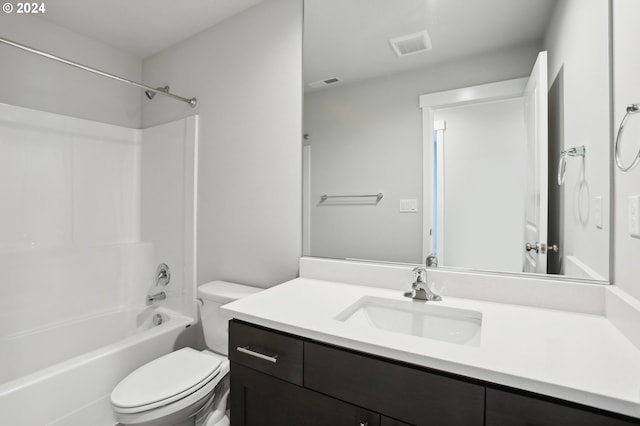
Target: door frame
431	102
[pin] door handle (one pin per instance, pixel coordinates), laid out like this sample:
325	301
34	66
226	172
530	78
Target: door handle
541	248
533	247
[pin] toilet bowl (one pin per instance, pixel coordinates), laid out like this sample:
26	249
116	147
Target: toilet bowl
185	387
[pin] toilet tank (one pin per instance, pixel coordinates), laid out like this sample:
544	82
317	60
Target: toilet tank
215	323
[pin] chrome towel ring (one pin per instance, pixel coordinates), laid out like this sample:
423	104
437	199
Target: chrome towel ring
631	109
578	151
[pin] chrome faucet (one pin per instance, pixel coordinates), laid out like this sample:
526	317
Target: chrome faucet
419	288
153	297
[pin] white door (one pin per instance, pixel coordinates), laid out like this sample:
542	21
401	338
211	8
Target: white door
536	190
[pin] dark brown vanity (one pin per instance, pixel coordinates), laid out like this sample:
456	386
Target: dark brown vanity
283	379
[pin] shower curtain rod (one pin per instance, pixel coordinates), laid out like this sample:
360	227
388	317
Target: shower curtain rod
161	90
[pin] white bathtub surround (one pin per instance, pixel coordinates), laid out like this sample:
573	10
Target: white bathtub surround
85	359
81	202
70	217
66	181
88	212
168	170
563	339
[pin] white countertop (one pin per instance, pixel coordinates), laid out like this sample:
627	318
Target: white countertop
578	357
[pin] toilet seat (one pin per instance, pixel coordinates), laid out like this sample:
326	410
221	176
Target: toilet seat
179	378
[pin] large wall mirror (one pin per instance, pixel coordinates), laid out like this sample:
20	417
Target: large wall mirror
418	133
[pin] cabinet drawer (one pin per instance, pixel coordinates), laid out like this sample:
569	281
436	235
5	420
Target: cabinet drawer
269	352
507	409
395	390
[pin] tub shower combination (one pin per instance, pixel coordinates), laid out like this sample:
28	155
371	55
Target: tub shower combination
78	264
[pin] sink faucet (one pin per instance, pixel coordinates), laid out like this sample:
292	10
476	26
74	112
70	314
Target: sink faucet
153	297
419	288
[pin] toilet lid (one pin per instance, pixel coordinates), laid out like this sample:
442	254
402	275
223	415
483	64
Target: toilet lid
166	379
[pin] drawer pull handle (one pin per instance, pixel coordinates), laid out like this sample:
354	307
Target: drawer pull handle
247	350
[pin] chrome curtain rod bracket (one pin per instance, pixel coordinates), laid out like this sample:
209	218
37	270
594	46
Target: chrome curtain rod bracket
577	151
378	196
631	109
148	89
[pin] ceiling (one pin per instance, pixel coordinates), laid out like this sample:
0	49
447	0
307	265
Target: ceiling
342	38
142	27
348	39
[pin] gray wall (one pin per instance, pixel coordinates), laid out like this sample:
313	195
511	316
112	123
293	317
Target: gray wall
577	41
247	75
34	82
367	137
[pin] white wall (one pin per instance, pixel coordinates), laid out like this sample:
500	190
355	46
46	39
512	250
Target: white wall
577	42
246	74
34	82
626	65
367	136
484	156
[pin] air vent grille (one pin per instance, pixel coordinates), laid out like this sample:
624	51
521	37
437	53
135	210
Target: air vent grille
327	82
411	44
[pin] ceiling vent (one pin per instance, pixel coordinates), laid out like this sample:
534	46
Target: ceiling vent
328	82
411	44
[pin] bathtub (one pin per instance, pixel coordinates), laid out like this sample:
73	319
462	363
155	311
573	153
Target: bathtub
63	374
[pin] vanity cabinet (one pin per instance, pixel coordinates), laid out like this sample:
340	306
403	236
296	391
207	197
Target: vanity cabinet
266	384
281	379
278	379
512	409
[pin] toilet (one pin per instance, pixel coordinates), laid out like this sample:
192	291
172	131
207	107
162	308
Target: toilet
185	387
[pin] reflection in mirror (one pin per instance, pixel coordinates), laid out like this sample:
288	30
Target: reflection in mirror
384	79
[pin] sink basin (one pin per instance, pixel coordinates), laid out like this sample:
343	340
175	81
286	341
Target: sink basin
416	318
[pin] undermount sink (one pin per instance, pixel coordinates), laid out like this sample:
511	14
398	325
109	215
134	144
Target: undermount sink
416	318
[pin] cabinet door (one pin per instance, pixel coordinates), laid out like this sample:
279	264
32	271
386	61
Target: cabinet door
509	409
400	391
262	400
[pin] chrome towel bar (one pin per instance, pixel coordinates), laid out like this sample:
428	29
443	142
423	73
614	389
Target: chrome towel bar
378	196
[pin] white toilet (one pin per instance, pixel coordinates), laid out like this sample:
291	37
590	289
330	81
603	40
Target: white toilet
185	387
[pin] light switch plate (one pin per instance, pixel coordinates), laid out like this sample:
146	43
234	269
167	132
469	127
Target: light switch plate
597	212
408	205
634	215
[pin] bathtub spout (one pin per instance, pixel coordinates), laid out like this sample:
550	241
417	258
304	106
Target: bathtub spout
153	297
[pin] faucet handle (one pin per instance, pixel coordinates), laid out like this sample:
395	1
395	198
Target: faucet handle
163	274
420	288
420	274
